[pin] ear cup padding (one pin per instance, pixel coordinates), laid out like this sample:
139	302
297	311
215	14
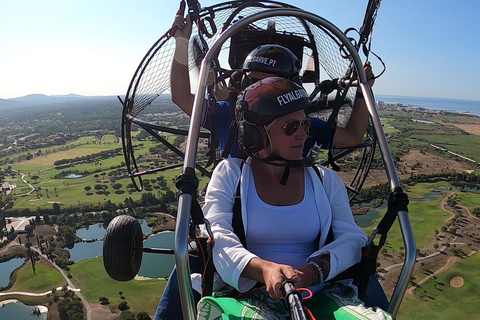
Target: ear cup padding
251	137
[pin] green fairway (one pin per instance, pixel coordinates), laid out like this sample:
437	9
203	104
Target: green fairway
141	295
42	173
44	279
426	216
438	300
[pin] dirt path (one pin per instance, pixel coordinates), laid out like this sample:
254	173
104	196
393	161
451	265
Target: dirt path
444	207
450	260
445	267
85	302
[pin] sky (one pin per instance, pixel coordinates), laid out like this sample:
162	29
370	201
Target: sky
93	47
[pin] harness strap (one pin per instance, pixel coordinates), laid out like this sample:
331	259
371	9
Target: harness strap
237	220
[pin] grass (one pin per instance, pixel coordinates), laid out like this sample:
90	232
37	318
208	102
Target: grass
71	192
437	299
141	295
470	199
425	217
44	279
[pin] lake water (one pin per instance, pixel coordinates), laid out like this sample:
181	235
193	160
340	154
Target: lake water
97	231
153	265
6	268
368	219
19	311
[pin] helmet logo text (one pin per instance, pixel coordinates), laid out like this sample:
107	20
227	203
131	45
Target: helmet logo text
264	60
291	96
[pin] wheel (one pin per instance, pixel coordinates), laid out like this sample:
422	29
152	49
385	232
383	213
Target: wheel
123	248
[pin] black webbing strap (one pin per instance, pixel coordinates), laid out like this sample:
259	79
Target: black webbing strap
237	220
367	267
231	140
397	201
209	272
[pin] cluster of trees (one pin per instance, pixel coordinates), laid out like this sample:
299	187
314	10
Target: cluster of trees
91	158
70	309
123	306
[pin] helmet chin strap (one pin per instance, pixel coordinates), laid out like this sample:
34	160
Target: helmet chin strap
305	162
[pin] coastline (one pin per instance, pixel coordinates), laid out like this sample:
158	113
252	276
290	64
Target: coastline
469	107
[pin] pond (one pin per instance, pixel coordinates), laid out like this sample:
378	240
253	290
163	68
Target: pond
158	265
423	121
153	265
73	176
368	219
97	231
18	311
6	269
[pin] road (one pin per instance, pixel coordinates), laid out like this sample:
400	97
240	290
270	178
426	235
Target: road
85	302
70	286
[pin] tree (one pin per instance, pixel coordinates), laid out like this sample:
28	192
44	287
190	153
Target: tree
122	306
55	189
142	316
126	315
87	189
56	208
103	300
35	178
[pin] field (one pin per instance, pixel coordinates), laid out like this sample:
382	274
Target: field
427	209
438	298
141	295
72	192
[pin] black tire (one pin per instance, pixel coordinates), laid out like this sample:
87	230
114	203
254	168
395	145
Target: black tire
123	248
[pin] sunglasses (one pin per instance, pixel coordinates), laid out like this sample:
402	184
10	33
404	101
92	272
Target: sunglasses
292	126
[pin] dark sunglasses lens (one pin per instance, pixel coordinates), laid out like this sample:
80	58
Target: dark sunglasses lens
292	126
306	125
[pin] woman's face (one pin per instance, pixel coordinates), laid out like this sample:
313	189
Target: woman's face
289	147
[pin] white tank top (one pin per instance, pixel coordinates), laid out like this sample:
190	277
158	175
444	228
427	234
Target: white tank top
283	234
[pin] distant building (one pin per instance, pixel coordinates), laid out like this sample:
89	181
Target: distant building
6	187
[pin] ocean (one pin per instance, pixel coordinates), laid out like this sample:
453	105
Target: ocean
452	105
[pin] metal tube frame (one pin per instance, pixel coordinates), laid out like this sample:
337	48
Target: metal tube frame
185	200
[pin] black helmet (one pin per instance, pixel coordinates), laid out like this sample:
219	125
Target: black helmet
260	104
273	58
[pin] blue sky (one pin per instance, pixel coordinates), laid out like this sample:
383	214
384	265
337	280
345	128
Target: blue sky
88	47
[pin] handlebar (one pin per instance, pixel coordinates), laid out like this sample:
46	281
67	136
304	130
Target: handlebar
294	300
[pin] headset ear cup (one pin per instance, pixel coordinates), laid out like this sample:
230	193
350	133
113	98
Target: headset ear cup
251	138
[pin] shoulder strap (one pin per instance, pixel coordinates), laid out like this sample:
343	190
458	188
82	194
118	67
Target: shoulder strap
319	174
237	220
330	237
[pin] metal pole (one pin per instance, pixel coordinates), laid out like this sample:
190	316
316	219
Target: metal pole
185	201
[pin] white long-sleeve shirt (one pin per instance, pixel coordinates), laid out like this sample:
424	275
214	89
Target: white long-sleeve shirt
330	200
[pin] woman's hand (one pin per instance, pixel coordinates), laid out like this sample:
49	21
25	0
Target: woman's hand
271	274
305	277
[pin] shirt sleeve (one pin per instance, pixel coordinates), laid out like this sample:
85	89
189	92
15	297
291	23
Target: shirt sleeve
230	257
316	129
219	120
345	249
